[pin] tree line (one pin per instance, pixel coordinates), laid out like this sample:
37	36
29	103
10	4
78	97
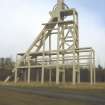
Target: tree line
7	65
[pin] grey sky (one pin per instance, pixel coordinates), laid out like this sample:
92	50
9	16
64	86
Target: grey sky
20	22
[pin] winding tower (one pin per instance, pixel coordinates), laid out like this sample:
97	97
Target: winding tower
56	50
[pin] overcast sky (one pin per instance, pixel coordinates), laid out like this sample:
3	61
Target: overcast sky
20	22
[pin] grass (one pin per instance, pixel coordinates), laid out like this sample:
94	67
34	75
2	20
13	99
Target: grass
82	86
8	97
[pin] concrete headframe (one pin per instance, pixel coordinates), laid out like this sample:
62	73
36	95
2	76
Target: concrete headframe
49	62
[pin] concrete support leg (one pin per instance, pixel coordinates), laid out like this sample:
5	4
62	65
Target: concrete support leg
74	77
15	76
94	67
74	70
28	75
94	76
78	71
42	76
50	76
91	76
91	70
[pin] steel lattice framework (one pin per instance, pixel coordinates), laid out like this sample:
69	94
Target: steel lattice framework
56	48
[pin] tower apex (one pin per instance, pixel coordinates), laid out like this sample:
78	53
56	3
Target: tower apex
60	1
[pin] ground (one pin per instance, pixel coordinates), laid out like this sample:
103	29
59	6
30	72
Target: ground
32	95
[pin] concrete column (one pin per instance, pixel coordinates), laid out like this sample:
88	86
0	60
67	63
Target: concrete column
29	69
74	66
50	71
91	76
16	70
94	67
57	75
74	76
74	46
28	75
43	63
42	76
91	70
15	76
94	76
57	65
78	68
